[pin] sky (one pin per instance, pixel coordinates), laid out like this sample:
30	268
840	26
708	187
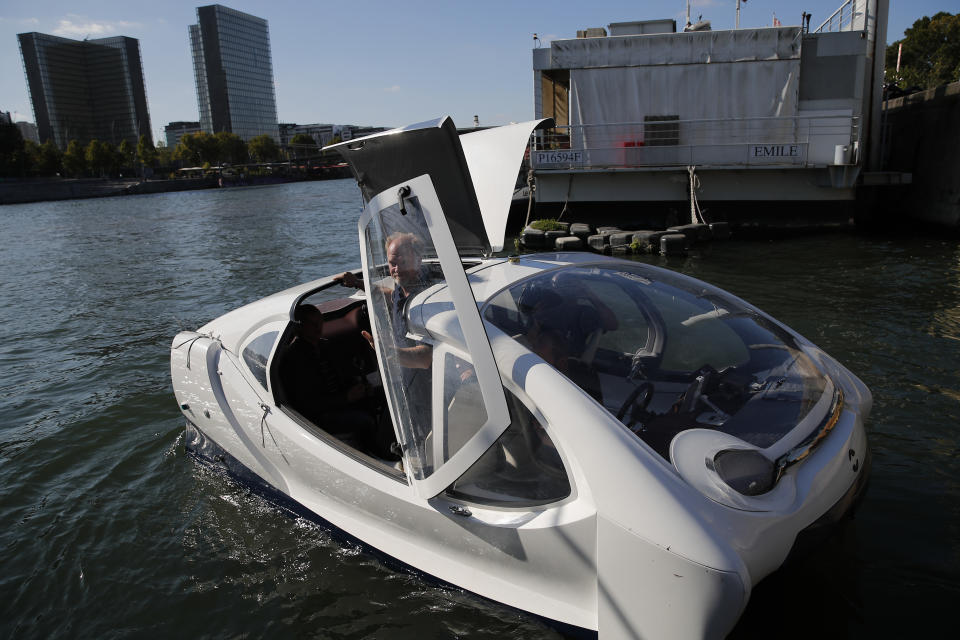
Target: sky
379	62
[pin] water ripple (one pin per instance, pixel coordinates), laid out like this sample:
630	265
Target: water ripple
112	531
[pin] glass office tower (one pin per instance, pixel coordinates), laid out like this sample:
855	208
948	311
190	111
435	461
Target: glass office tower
86	89
234	73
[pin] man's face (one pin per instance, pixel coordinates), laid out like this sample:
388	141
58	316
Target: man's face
404	262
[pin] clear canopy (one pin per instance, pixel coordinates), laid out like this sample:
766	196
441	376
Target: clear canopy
446	400
662	354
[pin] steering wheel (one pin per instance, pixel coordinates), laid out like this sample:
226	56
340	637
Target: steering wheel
638	399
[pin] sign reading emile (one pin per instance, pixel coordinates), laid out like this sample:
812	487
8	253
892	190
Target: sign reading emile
774	151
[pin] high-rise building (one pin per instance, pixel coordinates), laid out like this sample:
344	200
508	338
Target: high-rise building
28	131
176	130
86	89
234	72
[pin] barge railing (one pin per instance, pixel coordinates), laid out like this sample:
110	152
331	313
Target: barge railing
851	16
798	141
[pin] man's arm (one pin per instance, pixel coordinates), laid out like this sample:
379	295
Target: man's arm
416	357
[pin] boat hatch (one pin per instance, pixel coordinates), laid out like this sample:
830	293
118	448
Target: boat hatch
446	400
433	148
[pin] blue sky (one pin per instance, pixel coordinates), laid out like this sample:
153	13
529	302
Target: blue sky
379	62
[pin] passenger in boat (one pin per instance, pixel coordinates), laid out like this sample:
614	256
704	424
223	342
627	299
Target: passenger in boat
321	390
558	335
404	259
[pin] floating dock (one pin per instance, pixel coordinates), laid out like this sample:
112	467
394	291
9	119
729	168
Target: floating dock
717	125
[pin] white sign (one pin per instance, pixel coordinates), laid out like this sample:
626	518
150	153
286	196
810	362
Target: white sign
774	151
558	157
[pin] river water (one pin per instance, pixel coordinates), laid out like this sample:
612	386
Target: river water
110	530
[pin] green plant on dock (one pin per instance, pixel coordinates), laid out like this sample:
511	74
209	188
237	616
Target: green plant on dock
548	225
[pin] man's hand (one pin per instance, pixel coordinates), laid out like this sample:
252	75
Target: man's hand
347	279
369	338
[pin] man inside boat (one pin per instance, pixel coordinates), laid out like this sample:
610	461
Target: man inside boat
319	388
404	260
564	332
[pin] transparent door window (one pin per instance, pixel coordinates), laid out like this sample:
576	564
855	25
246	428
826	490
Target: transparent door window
403	273
397	243
257	353
521	469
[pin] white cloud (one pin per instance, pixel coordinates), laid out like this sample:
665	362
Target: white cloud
394	89
20	21
74	26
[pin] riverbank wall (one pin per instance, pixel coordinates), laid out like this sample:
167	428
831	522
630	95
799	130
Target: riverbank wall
45	189
923	138
19	191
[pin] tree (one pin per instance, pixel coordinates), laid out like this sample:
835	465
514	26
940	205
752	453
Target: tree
101	157
262	148
51	159
126	154
232	148
197	148
146	152
303	145
164	156
74	159
931	53
31	153
13	153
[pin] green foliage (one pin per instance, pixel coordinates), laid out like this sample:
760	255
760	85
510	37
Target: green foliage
51	159
196	148
931	53
31	153
231	148
547	225
146	152
303	145
74	159
13	154
125	154
262	148
164	156
102	158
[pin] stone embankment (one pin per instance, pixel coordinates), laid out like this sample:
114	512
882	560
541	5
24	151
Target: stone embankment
45	189
924	130
580	236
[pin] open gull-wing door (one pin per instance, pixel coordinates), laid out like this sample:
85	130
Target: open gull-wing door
391	157
494	156
449	407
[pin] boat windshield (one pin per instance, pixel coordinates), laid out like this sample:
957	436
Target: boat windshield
663	354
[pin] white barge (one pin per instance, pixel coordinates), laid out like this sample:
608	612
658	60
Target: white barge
646	114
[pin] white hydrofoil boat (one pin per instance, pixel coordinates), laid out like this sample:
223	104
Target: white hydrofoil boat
611	446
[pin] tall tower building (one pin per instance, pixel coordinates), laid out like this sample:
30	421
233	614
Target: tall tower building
234	73
86	89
